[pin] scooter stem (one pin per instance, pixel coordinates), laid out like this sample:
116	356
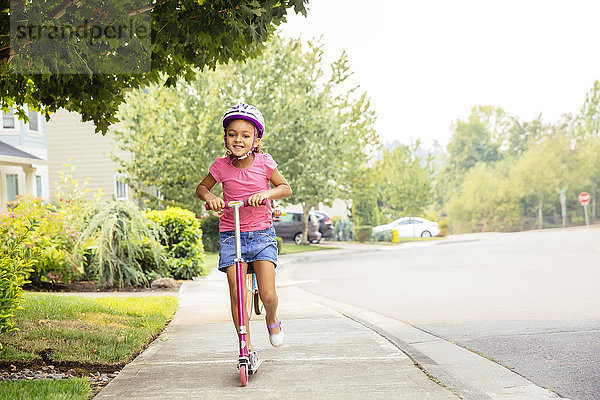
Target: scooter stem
239	278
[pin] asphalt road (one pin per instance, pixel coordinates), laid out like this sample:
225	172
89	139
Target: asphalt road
529	300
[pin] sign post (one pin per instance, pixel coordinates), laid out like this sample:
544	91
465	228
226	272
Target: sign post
563	207
584	199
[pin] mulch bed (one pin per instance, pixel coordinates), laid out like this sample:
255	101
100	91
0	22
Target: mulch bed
97	380
90	286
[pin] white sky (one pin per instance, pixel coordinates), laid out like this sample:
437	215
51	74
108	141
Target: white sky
425	63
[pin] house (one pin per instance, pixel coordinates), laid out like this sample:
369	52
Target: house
23	155
70	140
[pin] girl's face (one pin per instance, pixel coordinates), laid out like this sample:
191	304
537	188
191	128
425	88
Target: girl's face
239	136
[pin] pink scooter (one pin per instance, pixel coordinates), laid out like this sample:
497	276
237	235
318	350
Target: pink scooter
243	359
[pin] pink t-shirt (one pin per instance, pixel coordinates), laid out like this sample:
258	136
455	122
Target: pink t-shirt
239	184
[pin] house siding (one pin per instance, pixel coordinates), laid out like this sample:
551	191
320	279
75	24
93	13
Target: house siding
69	138
30	142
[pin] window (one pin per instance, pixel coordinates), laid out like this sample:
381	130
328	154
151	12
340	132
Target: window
38	182
287	217
33	121
12	187
8	119
120	188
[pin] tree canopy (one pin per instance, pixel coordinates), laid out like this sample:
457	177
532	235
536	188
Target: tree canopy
186	36
319	128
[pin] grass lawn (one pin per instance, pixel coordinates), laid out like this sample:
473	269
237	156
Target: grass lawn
212	259
75	330
71	389
400	241
290	248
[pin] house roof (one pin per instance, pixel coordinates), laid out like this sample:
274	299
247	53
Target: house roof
11	151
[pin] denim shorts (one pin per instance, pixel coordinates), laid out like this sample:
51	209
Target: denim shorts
256	245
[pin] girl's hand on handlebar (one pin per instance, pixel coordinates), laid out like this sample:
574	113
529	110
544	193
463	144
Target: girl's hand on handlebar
217	204
257	199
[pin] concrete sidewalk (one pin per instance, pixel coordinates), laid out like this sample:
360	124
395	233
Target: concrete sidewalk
333	350
326	355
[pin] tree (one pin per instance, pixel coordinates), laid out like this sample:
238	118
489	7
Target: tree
544	169
404	181
587	122
587	133
187	35
365	209
319	128
478	139
521	135
487	200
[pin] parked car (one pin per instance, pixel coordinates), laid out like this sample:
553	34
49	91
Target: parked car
410	227
325	224
289	227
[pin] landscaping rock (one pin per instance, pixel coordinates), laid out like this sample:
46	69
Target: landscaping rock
163	283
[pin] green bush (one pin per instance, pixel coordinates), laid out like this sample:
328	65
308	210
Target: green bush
153	267
385	236
210	233
119	235
279	244
343	230
183	241
16	263
55	237
363	232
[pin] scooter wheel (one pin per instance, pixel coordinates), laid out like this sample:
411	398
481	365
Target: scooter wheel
243	375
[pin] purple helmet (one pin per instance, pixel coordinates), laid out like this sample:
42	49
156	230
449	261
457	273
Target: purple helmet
248	113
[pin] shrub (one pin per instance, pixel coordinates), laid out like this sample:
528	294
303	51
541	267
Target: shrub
363	232
343	230
16	263
279	244
444	226
119	234
71	198
55	237
183	241
210	233
384	236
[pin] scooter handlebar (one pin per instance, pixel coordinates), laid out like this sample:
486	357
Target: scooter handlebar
264	202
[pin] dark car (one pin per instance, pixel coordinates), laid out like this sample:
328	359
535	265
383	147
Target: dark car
325	224
289	227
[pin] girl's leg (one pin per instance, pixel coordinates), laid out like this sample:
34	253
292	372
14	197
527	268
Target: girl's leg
231	280
265	277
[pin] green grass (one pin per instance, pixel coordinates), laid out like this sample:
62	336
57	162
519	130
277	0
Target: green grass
290	248
71	389
400	240
211	261
73	329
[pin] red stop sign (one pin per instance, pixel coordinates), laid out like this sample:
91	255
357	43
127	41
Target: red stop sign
584	198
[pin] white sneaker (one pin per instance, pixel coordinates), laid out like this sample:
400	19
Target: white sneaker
276	339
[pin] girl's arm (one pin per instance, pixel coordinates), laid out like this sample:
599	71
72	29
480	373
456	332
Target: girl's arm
281	190
203	192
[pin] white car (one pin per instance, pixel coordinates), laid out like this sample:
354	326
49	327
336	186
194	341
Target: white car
411	227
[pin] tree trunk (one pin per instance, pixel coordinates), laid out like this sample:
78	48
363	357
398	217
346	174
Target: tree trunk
306	212
540	212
